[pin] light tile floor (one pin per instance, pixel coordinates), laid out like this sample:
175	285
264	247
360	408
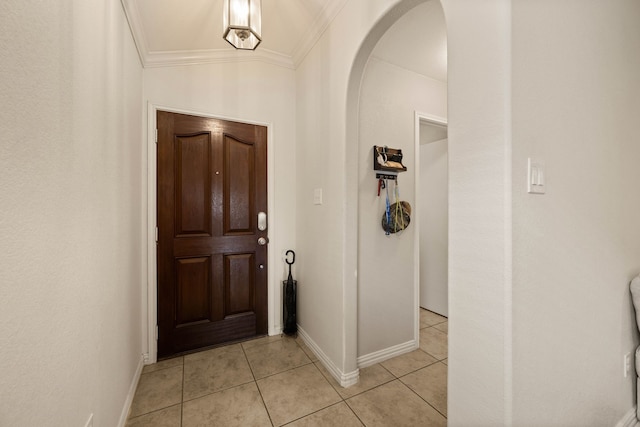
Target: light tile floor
275	381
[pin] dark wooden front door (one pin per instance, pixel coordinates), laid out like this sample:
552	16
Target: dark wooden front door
212	272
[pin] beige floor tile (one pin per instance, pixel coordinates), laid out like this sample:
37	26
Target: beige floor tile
262	340
434	342
429	318
275	357
393	404
239	406
370	377
164	364
207	354
337	415
157	390
431	384
310	354
444	327
408	362
296	393
214	370
168	417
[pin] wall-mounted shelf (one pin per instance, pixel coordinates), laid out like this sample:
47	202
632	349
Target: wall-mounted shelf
388	161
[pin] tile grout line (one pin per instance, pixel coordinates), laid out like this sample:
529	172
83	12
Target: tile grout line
320	410
218	391
286	370
254	379
328	382
354	413
342	398
423	399
309	361
431	364
152	412
255	382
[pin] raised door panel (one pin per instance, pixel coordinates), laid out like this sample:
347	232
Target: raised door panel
239	284
193	185
239	196
193	291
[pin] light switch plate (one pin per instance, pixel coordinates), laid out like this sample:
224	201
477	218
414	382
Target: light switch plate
535	176
317	196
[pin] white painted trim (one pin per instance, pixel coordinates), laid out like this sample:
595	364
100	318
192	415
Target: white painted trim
152	291
387	353
132	392
319	26
135	26
416	223
152	270
345	380
629	419
429	118
192	57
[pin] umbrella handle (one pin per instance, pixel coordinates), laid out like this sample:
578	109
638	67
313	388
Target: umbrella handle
293	258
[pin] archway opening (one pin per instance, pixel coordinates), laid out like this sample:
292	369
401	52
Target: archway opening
390	82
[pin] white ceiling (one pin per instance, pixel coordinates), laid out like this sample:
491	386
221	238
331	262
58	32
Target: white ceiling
176	32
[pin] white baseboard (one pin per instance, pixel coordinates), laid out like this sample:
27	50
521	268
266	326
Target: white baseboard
387	353
629	419
132	391
344	379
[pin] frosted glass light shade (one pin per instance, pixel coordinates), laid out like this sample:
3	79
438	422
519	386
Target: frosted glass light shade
242	21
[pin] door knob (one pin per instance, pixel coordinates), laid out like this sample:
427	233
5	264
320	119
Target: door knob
263	241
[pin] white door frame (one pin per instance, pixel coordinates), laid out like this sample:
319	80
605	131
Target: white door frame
151	301
429	118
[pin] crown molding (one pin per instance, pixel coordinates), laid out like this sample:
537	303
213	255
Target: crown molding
317	29
135	26
150	58
212	56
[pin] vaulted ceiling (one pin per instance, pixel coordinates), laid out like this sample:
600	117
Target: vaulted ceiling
178	32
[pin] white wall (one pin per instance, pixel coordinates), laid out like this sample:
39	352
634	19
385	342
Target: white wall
71	215
433	202
327	90
576	104
389	98
319	227
479	380
253	92
327	300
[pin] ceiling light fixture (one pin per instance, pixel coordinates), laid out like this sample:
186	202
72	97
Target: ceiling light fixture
242	23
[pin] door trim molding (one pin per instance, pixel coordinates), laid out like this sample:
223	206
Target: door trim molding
430	118
150	295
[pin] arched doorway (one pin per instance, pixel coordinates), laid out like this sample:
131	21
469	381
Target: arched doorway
480	333
398	81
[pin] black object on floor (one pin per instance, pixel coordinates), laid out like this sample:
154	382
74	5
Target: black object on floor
289	299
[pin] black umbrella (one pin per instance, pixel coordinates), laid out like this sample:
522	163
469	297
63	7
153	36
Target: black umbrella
289	297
